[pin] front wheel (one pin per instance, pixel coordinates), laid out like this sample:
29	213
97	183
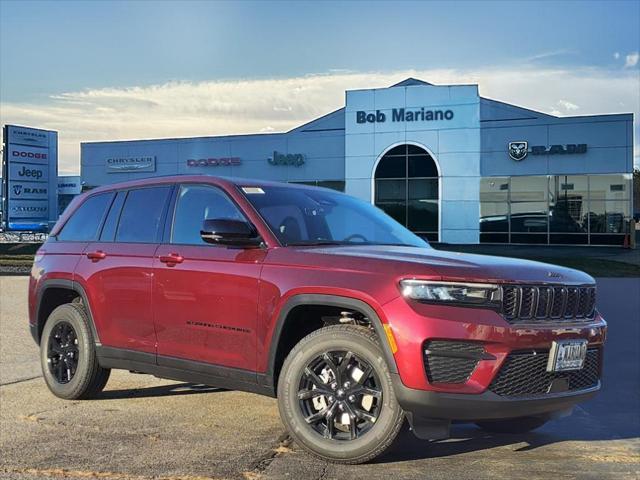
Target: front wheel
336	397
512	425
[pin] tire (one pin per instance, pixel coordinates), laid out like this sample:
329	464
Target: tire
513	425
67	334
331	438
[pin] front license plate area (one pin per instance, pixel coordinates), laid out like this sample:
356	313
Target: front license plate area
567	355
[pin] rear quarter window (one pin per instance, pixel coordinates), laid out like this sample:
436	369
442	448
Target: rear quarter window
84	223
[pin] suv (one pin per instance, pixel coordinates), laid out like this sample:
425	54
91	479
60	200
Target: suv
314	297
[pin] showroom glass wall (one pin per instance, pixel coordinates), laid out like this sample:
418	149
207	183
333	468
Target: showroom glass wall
406	188
556	209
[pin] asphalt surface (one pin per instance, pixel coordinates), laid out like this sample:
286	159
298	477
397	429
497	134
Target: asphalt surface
145	428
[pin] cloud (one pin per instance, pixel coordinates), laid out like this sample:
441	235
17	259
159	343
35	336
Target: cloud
550	54
184	109
631	60
568	105
616	55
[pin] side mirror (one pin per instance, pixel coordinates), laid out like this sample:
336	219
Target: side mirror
229	232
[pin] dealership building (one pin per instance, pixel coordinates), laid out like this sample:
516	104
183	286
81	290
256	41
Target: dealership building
452	166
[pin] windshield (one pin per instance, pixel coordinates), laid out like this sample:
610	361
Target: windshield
305	216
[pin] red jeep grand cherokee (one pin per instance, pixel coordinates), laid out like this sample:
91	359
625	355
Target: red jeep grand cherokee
315	297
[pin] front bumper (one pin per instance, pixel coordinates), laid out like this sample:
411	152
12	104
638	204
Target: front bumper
483	406
431	406
414	324
430	413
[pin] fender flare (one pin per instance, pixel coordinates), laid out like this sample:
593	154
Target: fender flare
68	285
332	301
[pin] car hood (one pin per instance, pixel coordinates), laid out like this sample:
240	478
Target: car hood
441	265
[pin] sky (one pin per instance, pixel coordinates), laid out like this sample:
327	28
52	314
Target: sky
107	70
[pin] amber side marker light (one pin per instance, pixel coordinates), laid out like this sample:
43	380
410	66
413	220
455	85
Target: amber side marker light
390	338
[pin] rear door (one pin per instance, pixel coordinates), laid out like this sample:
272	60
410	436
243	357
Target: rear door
117	270
206	299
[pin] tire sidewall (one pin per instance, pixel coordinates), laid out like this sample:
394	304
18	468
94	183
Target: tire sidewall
290	410
69	314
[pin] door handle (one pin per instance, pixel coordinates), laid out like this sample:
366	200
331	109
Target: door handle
171	259
96	256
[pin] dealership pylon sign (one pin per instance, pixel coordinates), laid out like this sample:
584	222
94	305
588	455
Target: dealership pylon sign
29	178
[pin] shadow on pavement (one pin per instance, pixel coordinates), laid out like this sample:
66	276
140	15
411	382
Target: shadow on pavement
159	391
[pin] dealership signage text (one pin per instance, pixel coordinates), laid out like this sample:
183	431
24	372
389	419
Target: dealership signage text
131	164
404	115
295	159
214	162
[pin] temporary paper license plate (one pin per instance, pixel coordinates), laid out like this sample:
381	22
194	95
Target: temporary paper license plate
567	355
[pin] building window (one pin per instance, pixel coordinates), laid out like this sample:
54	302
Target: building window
406	188
556	209
337	185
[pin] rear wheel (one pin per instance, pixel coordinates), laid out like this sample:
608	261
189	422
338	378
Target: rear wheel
67	355
513	425
336	397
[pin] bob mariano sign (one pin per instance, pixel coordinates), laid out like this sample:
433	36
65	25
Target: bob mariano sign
404	115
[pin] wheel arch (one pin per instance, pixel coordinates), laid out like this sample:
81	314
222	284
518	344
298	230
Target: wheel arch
324	300
56	292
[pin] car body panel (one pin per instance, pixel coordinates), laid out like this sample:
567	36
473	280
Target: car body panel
119	291
206	307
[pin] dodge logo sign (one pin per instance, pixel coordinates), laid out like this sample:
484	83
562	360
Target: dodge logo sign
518	150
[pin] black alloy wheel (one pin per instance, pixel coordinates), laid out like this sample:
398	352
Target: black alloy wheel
336	395
63	352
68	356
340	395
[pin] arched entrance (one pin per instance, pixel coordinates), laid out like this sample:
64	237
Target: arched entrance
406	187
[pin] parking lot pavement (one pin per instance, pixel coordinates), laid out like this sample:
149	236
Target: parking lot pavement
143	427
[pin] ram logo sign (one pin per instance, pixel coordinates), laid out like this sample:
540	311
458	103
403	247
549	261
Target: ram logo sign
518	150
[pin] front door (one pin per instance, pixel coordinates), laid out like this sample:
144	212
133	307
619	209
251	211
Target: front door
205	296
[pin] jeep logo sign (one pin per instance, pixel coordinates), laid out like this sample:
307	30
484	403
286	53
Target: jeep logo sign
34	173
294	159
22	172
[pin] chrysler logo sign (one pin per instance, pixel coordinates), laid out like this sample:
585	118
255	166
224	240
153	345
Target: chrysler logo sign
520	149
131	164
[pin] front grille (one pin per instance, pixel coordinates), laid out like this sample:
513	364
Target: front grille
524	374
544	304
451	361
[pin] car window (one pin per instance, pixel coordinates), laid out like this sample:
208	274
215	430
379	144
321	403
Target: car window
319	216
111	223
196	203
86	220
142	214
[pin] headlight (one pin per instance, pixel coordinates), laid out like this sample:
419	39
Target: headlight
478	294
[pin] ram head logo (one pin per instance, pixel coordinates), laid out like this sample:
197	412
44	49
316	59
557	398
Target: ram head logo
518	150
17	190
